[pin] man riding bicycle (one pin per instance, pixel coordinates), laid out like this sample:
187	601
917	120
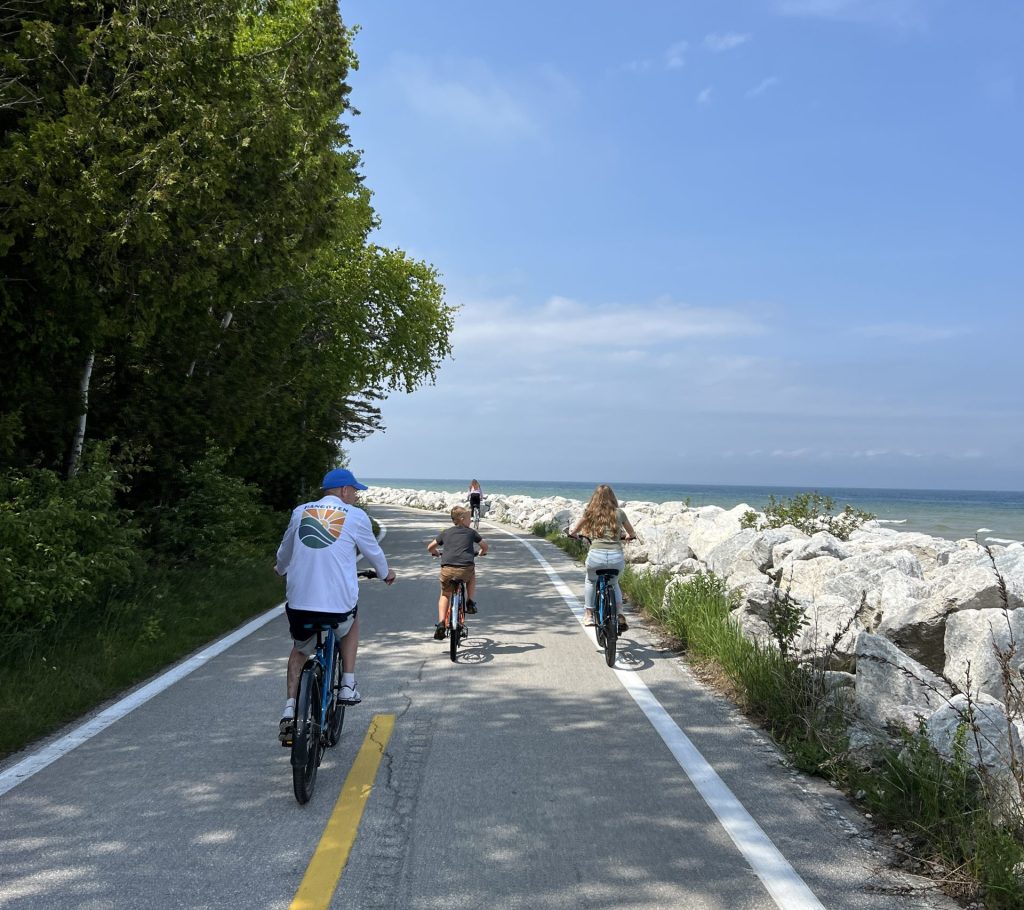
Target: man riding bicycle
318	558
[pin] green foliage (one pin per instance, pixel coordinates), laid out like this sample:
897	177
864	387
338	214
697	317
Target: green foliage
65	547
810	513
785	619
181	205
550	530
217	519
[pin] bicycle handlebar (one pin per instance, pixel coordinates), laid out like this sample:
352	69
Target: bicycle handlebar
367	573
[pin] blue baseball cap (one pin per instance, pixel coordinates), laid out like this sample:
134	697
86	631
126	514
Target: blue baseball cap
341	477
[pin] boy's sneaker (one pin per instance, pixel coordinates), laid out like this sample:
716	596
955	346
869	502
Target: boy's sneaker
623	625
471	606
439	632
349	695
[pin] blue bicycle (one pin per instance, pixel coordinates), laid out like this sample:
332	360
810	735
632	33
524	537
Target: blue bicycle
319	714
606	613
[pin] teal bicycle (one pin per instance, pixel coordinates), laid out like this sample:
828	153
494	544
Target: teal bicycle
606	612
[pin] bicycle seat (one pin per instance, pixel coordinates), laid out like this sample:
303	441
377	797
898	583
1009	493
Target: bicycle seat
608	573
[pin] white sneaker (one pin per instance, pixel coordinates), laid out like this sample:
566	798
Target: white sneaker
349	695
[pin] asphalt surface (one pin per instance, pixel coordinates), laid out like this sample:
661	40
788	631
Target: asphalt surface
523	776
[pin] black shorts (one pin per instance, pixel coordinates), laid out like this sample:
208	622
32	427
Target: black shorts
474	501
303	624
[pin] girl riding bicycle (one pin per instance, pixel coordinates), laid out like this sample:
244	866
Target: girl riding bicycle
476	498
607	527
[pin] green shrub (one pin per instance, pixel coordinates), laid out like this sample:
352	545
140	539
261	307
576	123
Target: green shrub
65	547
810	513
218	519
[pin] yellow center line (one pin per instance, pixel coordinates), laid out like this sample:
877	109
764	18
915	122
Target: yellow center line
332	852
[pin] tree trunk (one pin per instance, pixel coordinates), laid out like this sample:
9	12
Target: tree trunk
75	456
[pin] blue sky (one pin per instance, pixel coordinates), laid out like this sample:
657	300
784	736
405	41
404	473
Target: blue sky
762	242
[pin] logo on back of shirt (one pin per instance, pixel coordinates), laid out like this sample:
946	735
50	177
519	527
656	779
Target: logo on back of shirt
321	526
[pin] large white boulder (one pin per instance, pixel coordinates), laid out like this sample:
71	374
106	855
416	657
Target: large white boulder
980	645
893	690
712	526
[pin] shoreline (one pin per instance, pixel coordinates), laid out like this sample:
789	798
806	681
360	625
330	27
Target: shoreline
987	516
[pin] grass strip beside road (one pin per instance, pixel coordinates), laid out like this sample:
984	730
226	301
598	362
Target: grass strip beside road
61	677
331	855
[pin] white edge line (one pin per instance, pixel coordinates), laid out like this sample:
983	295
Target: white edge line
783	883
47	755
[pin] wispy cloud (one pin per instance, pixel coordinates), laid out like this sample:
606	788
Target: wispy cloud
705	96
635	327
470	96
675	56
892	13
912	333
763	86
725	42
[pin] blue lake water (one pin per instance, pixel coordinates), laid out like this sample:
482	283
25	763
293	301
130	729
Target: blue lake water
951	514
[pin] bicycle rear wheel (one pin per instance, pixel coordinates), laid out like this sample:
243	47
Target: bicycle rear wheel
610	625
306	743
335	709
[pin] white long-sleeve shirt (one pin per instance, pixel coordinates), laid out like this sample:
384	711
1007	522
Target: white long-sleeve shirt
318	555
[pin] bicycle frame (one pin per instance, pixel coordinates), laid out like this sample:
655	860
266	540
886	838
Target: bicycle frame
324	655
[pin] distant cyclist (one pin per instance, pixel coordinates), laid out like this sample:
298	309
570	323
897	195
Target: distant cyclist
458	562
318	557
607	526
476	498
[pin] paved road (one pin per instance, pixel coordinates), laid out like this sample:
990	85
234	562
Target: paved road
564	793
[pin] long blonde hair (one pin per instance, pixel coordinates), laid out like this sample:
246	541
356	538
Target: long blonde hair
601	516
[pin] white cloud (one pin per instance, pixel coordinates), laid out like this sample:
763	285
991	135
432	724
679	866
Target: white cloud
725	42
763	86
705	96
675	56
893	13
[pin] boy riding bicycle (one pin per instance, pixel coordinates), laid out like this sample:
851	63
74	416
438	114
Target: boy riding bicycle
457	563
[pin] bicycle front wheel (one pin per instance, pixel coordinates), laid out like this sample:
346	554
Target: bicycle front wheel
335	709
306	743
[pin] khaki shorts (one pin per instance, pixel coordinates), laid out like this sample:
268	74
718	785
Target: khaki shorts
451	574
